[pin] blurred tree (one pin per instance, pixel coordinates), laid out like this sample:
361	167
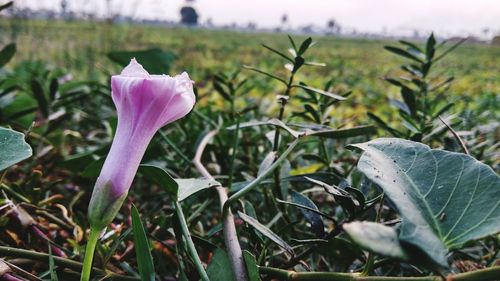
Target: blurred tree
333	27
189	16
284	19
496	40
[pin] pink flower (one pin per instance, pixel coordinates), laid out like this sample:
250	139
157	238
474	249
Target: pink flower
144	103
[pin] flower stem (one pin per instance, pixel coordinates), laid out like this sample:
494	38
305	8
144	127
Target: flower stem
189	242
89	254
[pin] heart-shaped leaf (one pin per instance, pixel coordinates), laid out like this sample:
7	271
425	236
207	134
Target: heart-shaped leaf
445	198
13	148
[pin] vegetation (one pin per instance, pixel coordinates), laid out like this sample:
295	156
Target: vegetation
304	158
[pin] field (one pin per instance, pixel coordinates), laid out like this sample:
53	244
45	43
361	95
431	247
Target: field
299	198
355	64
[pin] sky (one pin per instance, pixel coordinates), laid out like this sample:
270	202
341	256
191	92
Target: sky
445	17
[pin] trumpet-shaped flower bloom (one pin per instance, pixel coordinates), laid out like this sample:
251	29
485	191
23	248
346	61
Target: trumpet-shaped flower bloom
144	103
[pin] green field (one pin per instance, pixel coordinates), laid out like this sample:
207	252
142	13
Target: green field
354	64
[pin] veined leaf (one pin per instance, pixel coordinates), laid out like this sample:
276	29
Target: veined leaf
445	198
14	148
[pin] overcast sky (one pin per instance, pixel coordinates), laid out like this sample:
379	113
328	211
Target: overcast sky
446	17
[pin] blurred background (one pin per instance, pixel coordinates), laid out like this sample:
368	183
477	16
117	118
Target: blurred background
349	18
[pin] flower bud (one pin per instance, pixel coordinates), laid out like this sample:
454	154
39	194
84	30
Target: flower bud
144	104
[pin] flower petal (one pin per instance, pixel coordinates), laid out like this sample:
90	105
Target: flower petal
135	69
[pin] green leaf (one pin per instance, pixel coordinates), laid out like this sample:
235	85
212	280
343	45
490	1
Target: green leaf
304	46
317	225
252	268
14	148
403	53
292	42
345	133
142	248
319	91
410	100
411	45
265	73
161	177
278	53
7	53
266	232
220	267
179	188
272	122
445	198
384	125
430	47
52	266
375	237
449	50
155	61
267	162
38	93
188	187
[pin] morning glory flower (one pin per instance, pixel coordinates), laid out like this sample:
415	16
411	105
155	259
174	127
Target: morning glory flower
144	104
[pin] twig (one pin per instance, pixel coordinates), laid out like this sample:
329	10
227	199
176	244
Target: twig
459	139
22	253
230	236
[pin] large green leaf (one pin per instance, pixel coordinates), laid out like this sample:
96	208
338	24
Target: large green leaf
445	198
155	61
13	148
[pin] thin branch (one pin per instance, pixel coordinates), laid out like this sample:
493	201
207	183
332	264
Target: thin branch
63	262
230	234
459	139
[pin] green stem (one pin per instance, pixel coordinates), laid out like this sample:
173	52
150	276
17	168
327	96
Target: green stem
260	178
189	242
63	262
276	142
174	147
89	254
371	256
490	273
